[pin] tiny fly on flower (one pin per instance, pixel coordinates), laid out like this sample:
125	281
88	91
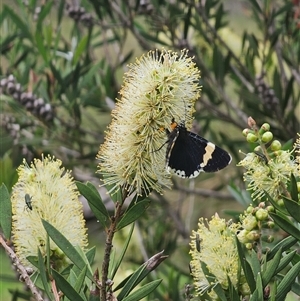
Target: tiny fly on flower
28	201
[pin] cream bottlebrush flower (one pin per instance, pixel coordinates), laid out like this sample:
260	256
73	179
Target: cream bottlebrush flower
268	177
157	88
219	253
54	198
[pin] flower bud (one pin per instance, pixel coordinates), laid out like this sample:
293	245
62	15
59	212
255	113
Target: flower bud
270	208
261	214
265	127
249	222
276	145
252	236
242	236
267	137
270	224
245	132
251	137
298	186
249	246
249	209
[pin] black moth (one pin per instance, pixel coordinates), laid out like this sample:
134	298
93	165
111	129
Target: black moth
189	154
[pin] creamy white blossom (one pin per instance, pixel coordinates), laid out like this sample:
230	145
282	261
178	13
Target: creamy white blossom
158	87
54	198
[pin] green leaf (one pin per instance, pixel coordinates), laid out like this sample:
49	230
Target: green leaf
284	244
65	287
287	259
259	287
90	255
233	294
118	262
286	283
22	26
80	279
5	211
133	214
133	280
45	11
245	266
271	268
80	49
294	189
143	291
95	202
131	283
39	40
285	225
292	207
69	250
43	275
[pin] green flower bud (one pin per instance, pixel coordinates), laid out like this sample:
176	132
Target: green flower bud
276	145
249	223
251	138
267	137
265	127
270	208
270	238
249	246
270	224
280	203
249	209
261	214
245	132
242	236
252	235
298	187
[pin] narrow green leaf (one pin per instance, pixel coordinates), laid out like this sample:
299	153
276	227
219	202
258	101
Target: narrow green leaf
45	11
286	283
287	259
95	202
80	280
39	41
284	244
285	225
246	266
292	207
271	268
294	189
90	255
259	287
66	247
80	49
5	211
254	262
131	283
43	275
133	214
118	262
22	26
220	292
65	287
233	294
143	291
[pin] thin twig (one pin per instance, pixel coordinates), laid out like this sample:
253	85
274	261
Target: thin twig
21	269
108	248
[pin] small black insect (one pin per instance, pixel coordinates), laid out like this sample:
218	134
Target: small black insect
28	201
188	154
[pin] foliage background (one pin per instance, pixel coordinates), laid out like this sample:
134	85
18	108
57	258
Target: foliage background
73	55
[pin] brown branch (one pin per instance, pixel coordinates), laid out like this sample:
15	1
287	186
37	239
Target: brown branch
21	269
108	247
